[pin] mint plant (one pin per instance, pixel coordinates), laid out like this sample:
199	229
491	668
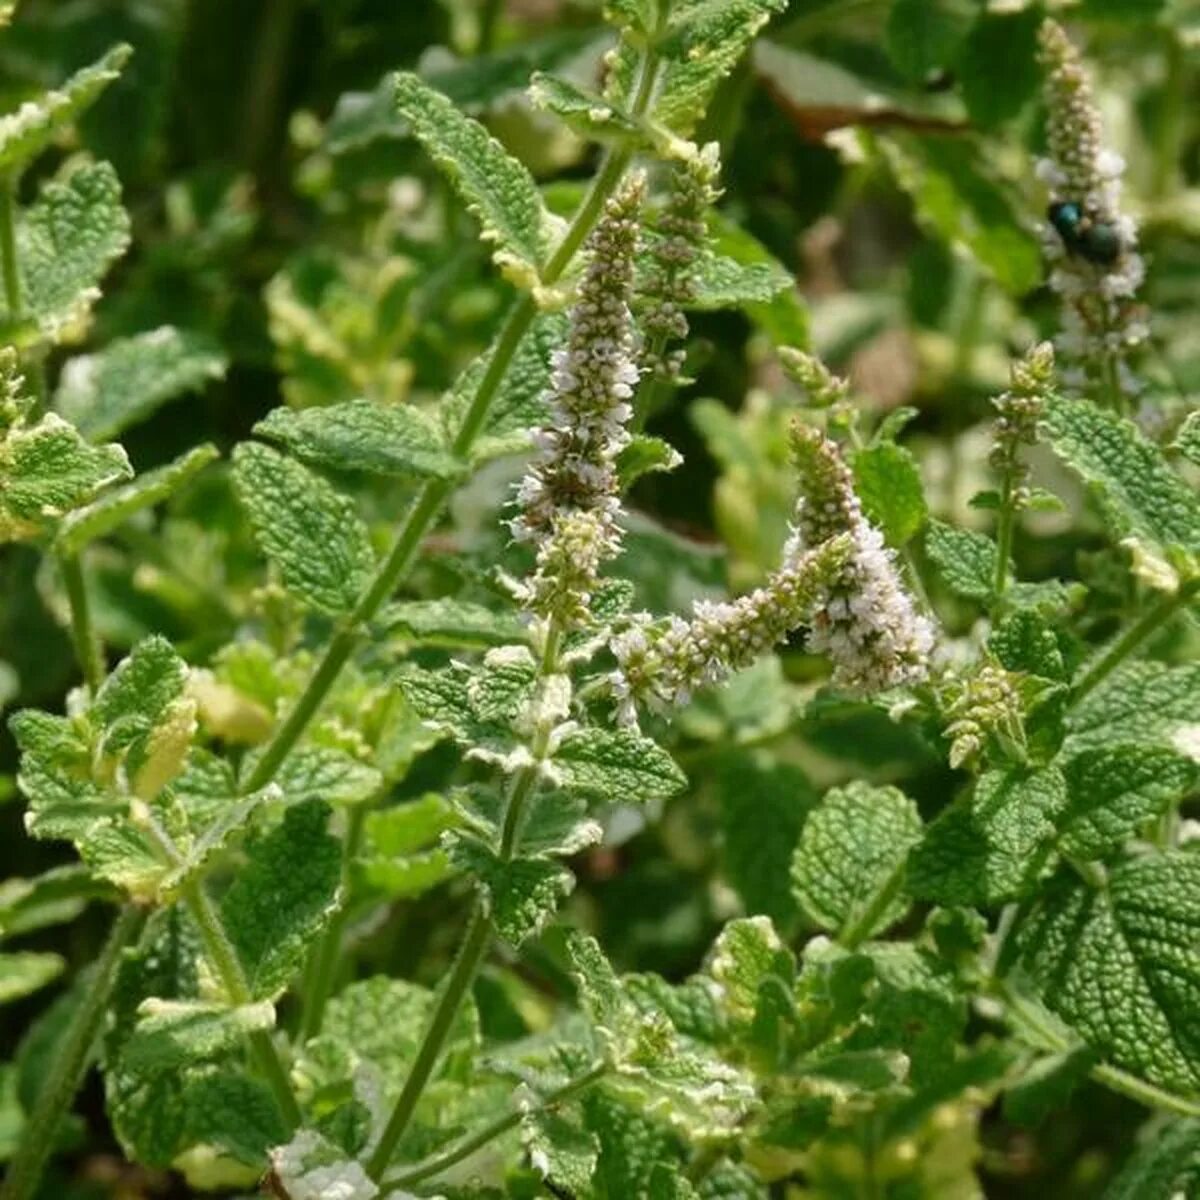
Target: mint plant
445	811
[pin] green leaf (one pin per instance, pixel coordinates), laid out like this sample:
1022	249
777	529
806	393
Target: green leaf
763	805
519	405
889	485
402	856
116	505
958	196
851	856
452	623
48	469
1024	642
104	393
645	455
617	766
135	699
966	561
1165	1166
171	1034
282	897
66	242
523	894
998	65
584	112
25	972
311	533
1116	791
363	435
559	1150
1140	493
310	1167
1145	702
24	134
703	43
52	898
322	773
1045	1088
992	845
1187	438
735	270
1120	964
924	36
496	187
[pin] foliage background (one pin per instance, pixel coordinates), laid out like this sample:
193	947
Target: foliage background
276	212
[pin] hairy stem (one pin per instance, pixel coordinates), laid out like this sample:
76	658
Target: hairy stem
478	938
324	962
221	953
69	1066
1005	520
87	644
8	248
1148	623
438	1163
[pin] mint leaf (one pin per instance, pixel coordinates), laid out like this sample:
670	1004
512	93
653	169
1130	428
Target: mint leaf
560	1151
703	43
1120	964
451	623
363	435
310	1167
582	111
115	506
617	766
25	133
66	242
322	773
402	856
48	469
994	844
103	394
171	1034
1116	791
136	697
522	894
998	65
889	486
496	187
282	897
1140	492
51	898
1146	702
965	560
1165	1166
850	859
311	533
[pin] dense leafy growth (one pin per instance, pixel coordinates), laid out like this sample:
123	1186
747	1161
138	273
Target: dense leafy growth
599	600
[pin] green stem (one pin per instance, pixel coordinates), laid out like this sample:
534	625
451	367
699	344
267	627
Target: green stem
1168	144
1004	535
1150	622
222	954
87	645
434	494
464	1149
74	1049
1027	1017
319	984
470	956
478	938
8	248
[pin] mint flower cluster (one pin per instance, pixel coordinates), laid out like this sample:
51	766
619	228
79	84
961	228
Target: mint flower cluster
868	625
569	498
669	285
1101	324
837	579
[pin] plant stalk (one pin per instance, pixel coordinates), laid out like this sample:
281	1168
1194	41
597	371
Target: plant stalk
87	645
70	1065
223	956
1148	623
465	1148
8	249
